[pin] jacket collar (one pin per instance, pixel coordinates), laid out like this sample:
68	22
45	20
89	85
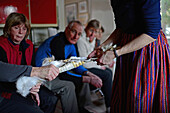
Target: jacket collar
23	43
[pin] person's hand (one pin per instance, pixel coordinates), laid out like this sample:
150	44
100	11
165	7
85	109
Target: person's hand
106	58
93	79
92	54
96	81
96	53
34	91
49	72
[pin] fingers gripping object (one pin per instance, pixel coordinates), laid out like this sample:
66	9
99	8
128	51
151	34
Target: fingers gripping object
24	84
110	47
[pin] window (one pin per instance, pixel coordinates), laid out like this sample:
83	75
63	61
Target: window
165	13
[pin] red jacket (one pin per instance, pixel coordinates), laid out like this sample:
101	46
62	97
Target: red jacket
14	56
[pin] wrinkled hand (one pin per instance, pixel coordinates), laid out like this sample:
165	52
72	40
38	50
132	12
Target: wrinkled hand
34	91
93	79
96	81
106	58
49	72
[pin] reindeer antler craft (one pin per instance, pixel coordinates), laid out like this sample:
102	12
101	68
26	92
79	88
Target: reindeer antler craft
24	84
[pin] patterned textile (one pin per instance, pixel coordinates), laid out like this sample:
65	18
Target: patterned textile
142	78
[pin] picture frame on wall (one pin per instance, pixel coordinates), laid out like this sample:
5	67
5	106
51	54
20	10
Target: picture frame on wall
70	12
82	7
83	18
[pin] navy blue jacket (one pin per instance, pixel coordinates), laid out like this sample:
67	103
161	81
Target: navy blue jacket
138	16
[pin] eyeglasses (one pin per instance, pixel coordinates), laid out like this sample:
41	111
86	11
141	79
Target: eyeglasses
75	32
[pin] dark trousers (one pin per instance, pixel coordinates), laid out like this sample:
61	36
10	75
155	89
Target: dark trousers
7	106
106	76
20	104
48	100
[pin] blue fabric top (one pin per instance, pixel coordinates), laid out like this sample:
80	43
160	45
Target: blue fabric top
44	51
138	16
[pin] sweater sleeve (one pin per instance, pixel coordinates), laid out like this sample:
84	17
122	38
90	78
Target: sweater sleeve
152	18
11	72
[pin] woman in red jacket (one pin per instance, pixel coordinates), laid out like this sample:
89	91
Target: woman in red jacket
15	48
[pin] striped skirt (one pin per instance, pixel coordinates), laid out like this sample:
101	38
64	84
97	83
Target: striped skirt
142	78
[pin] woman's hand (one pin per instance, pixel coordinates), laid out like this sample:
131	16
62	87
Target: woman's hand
96	53
49	72
34	91
106	58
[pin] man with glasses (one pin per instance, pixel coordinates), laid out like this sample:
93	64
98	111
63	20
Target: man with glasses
62	47
86	44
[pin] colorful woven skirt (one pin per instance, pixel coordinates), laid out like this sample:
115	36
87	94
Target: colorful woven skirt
142	78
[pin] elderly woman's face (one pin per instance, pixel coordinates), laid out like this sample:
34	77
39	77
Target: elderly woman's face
91	33
18	33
